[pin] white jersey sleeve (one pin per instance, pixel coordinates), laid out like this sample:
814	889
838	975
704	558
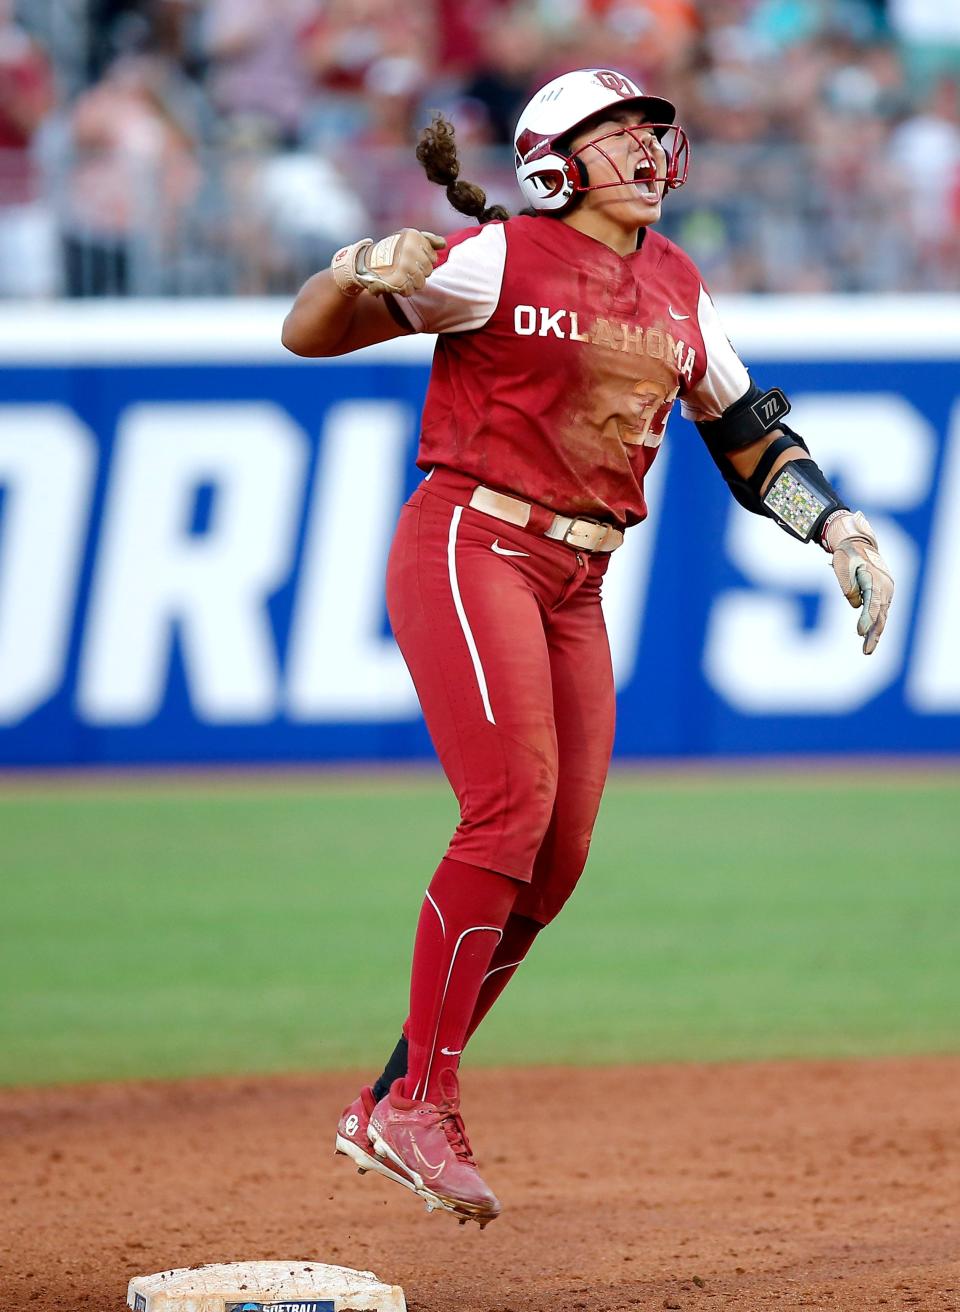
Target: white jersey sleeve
462	292
725	379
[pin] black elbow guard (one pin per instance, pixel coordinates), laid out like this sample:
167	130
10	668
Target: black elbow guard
746	421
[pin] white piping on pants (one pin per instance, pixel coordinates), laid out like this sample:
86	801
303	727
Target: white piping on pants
462	614
443	928
508	966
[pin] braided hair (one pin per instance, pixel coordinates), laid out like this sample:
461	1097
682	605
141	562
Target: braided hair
437	152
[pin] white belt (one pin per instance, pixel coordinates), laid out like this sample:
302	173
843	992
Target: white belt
585	534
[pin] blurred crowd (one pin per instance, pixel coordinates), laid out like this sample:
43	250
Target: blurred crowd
199	147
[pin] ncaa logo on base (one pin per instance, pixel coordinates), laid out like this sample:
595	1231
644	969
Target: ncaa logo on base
297	1305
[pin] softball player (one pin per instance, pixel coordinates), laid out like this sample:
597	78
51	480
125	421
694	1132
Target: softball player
565	335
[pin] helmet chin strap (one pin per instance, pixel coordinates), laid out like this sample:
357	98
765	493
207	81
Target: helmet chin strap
582	179
586	187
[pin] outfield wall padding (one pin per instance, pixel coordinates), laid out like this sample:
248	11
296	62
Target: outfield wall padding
194	527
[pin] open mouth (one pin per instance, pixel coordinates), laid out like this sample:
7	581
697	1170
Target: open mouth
644	175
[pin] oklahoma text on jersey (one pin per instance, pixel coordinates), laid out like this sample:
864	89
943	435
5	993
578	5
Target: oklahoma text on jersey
654	342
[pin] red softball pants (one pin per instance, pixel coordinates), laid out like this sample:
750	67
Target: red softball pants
503	633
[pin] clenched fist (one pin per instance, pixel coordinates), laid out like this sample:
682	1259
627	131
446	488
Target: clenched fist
400	263
861	572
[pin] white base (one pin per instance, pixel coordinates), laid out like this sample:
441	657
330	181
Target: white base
263	1287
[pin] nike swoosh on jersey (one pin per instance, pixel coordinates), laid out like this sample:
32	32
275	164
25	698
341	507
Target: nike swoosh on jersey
674	315
496	548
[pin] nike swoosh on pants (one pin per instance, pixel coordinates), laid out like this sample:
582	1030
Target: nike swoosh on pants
496	548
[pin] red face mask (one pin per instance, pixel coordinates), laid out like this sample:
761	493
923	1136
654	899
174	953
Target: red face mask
673	141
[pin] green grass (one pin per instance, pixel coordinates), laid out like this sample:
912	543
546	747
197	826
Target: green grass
173	928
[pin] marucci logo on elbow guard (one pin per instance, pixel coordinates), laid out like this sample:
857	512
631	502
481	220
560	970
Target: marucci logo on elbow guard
772	405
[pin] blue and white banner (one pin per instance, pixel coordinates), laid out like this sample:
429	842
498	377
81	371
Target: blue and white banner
194	528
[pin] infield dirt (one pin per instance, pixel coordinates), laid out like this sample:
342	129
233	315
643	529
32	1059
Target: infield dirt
767	1185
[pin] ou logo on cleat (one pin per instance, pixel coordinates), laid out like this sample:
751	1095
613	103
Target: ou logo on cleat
352	1124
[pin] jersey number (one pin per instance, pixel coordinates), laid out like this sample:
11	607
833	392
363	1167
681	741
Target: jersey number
648	407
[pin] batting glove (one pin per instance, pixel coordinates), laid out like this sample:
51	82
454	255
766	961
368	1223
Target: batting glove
861	571
400	263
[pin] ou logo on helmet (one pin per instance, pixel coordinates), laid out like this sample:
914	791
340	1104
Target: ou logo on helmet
617	83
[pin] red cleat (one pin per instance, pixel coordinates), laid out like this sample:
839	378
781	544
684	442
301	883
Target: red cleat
352	1140
428	1142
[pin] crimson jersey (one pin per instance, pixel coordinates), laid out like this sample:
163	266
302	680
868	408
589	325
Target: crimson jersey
558	362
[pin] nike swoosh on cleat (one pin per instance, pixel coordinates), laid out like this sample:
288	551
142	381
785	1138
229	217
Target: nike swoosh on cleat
496	548
435	1170
674	315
